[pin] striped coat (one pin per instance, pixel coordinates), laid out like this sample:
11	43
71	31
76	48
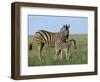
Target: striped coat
43	37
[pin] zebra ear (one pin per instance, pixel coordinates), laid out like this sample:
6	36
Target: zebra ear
64	26
62	29
68	26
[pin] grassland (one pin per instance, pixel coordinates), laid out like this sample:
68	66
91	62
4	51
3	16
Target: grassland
78	56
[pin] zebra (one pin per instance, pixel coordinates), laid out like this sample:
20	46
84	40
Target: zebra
66	47
43	37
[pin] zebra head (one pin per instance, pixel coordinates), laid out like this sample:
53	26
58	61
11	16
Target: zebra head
65	31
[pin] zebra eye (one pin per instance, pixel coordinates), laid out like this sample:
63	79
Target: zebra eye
64	28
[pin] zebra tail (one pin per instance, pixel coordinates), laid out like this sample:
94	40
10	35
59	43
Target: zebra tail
30	46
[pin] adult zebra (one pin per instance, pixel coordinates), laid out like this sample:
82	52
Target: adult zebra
43	37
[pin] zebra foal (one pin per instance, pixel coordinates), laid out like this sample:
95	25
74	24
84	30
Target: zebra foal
66	47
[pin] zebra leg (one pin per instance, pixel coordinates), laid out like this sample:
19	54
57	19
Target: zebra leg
66	54
57	53
61	54
40	50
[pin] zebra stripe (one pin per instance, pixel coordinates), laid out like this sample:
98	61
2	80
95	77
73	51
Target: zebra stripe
48	37
45	37
42	36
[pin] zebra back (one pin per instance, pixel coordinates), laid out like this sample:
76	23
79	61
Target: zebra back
51	39
45	37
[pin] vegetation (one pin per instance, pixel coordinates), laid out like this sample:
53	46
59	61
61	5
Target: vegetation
78	56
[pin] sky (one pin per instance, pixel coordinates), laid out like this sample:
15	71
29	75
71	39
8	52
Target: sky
78	25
